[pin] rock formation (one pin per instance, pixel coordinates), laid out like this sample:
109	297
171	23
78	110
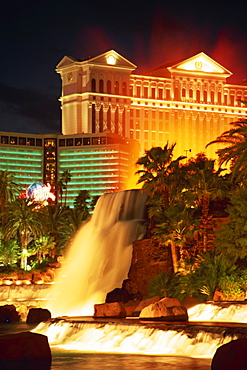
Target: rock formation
24	346
231	356
36	315
168	309
113	309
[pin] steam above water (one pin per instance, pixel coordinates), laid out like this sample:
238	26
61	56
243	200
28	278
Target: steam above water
100	256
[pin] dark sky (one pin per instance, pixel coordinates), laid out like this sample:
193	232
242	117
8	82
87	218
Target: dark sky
36	34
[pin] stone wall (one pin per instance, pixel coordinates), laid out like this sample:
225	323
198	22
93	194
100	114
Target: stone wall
148	260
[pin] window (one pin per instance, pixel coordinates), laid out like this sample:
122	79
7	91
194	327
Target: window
212	97
145	92
160	92
176	94
138	91
78	141
124	89
61	142
22	141
30	141
101	86
116	87
219	97
108	87
38	142
69	142
153	92
198	96
96	140
183	93
13	140
4	139
93	85
86	141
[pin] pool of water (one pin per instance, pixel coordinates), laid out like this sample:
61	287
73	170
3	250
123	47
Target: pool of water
62	360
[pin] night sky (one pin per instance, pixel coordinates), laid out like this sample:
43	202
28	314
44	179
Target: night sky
36	35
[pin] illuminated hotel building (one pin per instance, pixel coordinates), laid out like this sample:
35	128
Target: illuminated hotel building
110	115
187	102
98	163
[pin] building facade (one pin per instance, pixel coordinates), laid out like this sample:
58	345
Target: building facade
188	102
98	163
110	116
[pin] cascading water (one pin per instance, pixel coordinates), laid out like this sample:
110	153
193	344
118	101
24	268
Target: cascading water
98	262
136	337
100	256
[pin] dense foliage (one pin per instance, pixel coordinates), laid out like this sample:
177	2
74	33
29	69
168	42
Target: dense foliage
31	233
182	207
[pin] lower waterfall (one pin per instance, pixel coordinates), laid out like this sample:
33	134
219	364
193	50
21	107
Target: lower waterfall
130	337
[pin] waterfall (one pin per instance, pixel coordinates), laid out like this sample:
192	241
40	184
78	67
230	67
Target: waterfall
100	256
131	337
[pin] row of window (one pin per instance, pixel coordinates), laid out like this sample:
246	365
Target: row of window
15	140
108	88
82	141
165	93
154	114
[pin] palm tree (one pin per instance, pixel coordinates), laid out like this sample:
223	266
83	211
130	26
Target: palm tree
63	181
205	185
54	218
42	246
163	181
231	238
175	225
24	222
234	150
211	269
81	200
9	189
160	171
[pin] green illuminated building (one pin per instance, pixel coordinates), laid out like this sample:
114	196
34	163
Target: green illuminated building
98	163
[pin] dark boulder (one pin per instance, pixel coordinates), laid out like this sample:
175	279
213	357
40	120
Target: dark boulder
231	356
36	315
24	346
8	314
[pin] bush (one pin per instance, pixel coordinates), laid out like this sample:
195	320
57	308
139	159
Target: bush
232	288
162	285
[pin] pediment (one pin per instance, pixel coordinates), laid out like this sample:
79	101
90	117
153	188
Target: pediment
200	64
66	61
112	59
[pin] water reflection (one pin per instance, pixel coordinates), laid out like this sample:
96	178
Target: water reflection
90	361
